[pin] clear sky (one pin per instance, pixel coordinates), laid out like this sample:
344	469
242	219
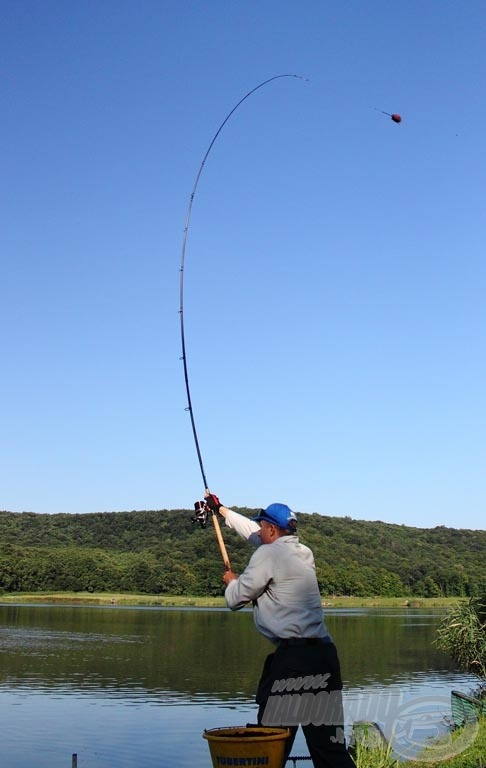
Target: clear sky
335	274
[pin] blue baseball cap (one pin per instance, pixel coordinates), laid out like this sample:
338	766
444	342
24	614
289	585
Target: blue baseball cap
278	514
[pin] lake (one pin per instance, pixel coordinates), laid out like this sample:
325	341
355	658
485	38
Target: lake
136	687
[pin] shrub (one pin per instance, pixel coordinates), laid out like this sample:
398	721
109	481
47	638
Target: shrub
462	634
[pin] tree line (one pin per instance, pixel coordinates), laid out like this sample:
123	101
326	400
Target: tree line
162	552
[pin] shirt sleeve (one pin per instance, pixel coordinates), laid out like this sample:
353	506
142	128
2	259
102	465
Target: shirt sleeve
245	527
252	582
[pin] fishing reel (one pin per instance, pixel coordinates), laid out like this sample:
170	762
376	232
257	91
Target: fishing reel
201	514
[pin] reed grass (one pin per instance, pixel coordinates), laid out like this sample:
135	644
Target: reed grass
462	633
378	757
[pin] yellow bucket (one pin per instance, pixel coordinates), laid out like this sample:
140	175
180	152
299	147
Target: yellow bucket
247	746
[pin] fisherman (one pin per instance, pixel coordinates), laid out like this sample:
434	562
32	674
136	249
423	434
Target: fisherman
301	680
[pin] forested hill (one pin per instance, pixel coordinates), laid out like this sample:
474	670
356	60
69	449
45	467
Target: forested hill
162	552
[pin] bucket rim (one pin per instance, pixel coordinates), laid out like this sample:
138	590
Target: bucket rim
258	733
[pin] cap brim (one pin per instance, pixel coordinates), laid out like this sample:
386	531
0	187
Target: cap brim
267	519
288	525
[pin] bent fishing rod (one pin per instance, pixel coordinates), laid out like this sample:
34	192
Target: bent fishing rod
202	510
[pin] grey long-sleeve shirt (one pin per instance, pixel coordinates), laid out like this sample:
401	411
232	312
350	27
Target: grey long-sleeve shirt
280	580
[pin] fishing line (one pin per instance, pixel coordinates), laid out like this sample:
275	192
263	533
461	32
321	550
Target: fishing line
183	257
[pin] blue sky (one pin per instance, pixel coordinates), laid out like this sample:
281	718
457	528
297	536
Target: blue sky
335	271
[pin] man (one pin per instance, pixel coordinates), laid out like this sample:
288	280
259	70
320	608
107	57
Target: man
301	680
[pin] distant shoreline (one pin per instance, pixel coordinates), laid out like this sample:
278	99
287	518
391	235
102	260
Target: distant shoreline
103	598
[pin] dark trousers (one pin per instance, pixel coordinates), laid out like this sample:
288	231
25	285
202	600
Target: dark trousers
301	685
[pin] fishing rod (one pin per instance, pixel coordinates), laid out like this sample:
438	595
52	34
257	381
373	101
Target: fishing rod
201	508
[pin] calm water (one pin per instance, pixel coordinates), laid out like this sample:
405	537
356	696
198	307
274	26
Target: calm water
136	687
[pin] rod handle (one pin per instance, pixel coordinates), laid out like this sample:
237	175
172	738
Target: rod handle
221	543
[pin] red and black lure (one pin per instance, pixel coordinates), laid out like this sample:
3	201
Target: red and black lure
394	115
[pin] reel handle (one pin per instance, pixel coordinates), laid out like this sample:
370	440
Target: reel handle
201	514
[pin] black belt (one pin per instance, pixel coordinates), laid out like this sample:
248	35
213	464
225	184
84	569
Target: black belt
299	641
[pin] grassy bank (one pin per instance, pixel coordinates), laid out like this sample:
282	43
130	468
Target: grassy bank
105	598
438	754
473	756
